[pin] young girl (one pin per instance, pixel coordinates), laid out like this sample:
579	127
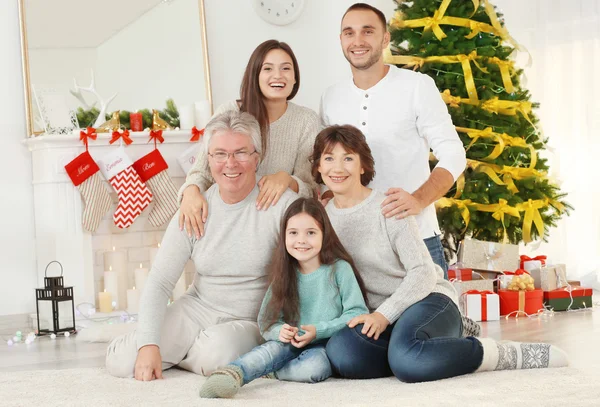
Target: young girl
414	328
315	290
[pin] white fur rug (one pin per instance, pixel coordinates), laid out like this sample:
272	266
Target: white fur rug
94	387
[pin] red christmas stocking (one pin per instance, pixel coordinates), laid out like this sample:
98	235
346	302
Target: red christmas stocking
152	170
133	194
83	171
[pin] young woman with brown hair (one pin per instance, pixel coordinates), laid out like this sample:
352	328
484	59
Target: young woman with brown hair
271	80
315	290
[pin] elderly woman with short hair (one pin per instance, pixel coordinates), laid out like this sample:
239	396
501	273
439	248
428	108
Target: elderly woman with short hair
214	322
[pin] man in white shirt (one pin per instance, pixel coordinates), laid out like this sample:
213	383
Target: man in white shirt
402	116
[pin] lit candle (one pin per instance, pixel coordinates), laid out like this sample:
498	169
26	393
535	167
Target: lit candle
105	302
111	285
136	121
140	275
179	289
116	260
133	300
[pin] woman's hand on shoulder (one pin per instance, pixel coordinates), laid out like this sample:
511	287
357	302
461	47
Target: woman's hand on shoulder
193	211
272	187
148	365
374	324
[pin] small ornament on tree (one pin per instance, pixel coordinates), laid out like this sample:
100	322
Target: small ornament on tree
84	173
152	169
133	194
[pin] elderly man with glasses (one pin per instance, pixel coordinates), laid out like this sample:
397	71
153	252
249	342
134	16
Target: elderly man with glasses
214	322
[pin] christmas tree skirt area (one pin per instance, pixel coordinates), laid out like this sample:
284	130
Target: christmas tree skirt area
94	387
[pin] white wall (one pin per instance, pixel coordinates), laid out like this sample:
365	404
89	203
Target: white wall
234	31
17	262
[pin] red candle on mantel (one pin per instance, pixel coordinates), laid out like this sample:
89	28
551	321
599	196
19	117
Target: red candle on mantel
136	122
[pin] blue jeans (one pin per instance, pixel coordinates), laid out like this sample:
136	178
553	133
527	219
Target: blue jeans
434	245
309	364
423	345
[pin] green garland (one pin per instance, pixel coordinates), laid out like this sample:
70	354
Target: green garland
479	187
170	114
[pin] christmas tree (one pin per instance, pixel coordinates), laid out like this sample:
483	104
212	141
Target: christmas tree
504	194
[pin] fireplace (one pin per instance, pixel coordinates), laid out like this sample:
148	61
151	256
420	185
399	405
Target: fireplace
58	210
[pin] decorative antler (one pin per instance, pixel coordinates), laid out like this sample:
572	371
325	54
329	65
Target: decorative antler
92	89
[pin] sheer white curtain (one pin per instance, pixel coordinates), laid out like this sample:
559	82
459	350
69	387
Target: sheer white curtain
563	37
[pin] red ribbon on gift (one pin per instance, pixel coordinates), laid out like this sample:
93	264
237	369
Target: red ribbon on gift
156	135
196	134
527	258
90	132
515	273
484	295
125	136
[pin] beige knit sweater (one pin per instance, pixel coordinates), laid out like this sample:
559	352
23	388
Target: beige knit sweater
291	140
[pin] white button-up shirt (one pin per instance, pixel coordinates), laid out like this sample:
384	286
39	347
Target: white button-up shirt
403	116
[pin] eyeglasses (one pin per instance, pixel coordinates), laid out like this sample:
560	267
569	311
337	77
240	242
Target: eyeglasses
239	156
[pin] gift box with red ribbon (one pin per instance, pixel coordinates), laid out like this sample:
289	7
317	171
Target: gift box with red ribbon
481	305
571	297
516	303
460	274
541	260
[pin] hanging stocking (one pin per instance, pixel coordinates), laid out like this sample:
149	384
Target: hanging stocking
152	170
133	194
83	171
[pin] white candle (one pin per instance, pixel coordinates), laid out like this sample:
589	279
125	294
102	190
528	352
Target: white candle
116	260
140	275
105	302
180	287
111	285
201	114
133	301
186	117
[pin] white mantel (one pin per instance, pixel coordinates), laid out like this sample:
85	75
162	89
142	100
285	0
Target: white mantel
58	206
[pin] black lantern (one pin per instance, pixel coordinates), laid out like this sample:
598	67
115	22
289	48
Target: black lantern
55	292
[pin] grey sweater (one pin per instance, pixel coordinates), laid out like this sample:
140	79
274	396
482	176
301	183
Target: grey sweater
231	260
291	139
390	255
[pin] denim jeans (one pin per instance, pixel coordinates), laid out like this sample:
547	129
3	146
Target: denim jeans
309	364
434	245
424	344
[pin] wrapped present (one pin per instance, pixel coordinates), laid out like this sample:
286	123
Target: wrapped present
514	280
550	278
460	274
488	256
482	305
515	303
462	287
572	297
537	262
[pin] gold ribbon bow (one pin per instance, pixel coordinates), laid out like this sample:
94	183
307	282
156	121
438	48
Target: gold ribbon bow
462	206
532	215
505	68
519	142
499	210
486	133
508	108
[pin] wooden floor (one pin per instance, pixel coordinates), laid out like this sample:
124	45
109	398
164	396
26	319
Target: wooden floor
577	332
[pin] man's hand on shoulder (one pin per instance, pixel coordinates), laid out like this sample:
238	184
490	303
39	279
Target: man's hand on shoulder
401	204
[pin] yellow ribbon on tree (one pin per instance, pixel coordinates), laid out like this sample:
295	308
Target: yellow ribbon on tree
487	133
508	108
499	30
519	142
461	204
532	215
557	205
505	68
499	210
460	186
455	101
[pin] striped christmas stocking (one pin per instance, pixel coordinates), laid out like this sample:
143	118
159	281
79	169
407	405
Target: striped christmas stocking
152	170
133	194
83	171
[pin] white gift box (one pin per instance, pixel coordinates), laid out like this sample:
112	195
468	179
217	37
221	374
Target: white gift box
475	304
